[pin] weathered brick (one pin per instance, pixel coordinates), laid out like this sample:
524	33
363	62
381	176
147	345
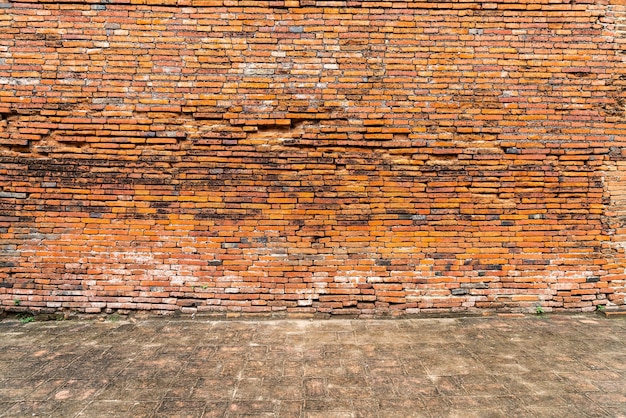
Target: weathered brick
302	156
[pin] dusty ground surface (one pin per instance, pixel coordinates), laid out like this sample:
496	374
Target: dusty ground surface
562	366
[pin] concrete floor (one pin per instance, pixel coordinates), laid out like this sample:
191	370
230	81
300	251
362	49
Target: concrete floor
535	366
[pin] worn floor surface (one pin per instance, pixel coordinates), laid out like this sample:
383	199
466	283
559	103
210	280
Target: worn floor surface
551	366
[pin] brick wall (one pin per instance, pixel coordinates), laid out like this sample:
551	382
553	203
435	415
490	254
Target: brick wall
312	157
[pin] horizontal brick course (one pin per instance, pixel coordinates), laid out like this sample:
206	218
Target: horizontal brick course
312	157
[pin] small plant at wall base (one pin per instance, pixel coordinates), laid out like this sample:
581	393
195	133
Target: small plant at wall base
17	302
539	310
25	318
601	308
115	317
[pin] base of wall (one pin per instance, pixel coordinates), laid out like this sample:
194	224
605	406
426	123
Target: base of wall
120	314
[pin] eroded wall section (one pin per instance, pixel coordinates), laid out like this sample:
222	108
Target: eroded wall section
345	157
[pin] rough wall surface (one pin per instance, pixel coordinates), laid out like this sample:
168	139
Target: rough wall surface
344	157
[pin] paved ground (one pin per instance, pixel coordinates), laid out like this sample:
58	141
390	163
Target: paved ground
552	366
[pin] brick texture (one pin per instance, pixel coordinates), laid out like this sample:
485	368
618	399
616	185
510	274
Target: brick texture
312	157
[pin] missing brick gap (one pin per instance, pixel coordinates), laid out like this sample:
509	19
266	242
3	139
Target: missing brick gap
443	157
15	149
293	124
275	137
8	115
274	128
73	144
617	107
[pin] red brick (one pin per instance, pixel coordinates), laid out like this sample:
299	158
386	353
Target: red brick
241	158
